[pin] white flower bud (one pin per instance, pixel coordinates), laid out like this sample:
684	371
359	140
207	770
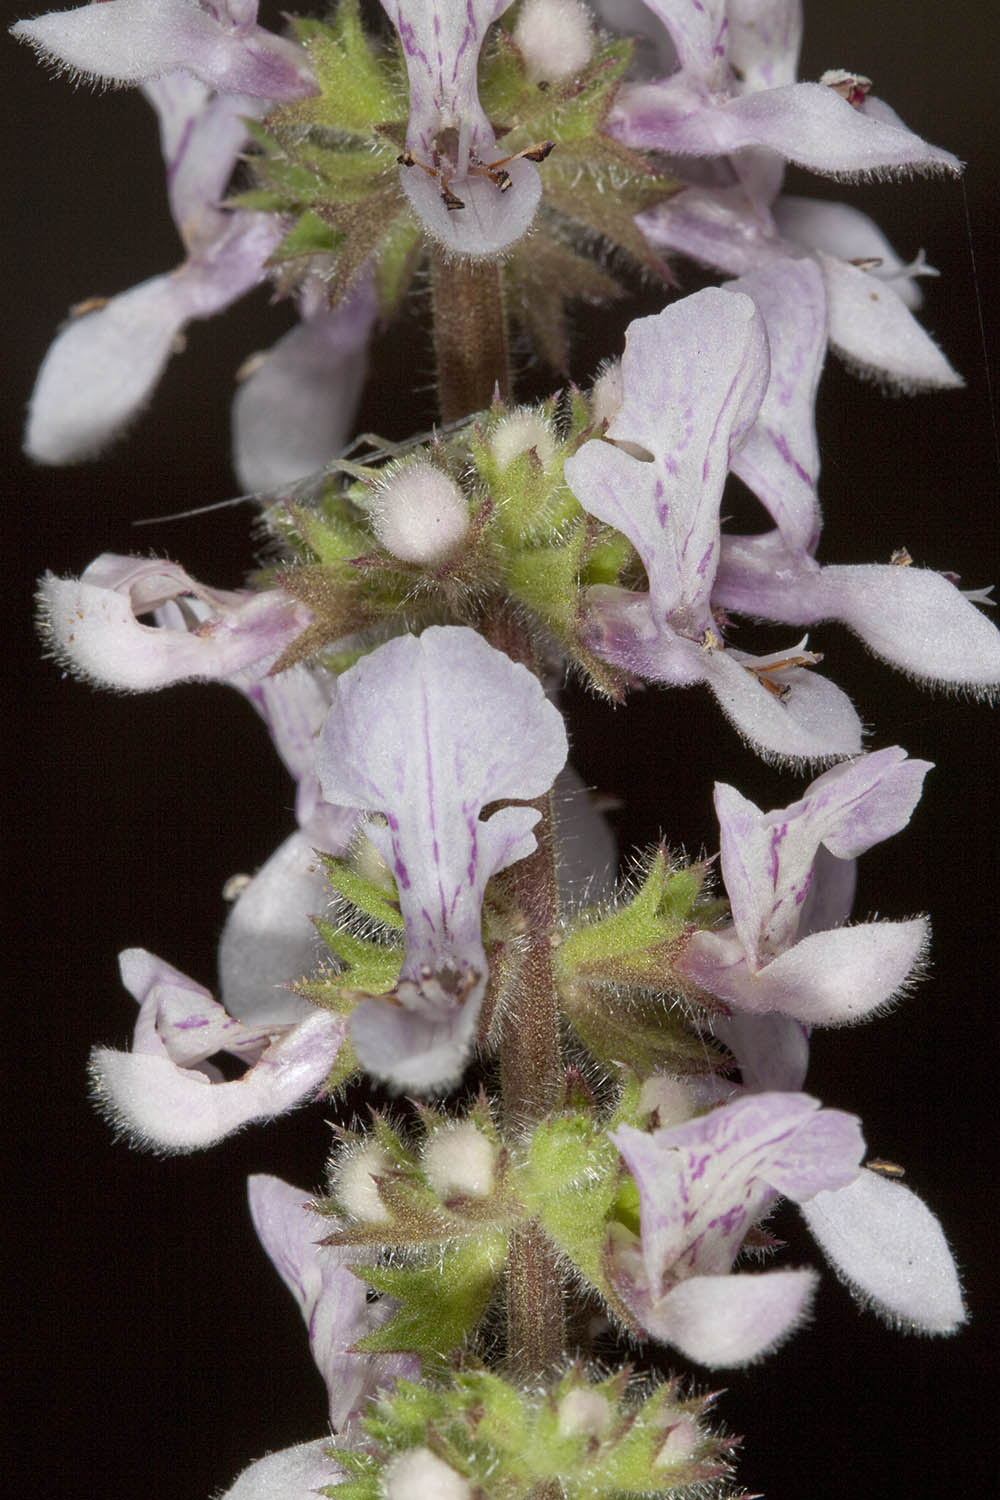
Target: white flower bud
354	1183
681	1445
419	514
518	433
669	1098
607	392
584	1413
419	1474
555	37
460	1160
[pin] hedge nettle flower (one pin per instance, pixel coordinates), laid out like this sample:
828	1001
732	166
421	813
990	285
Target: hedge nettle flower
694	380
132	41
165	1094
705	1183
774	957
461	202
332	1300
427	731
93	625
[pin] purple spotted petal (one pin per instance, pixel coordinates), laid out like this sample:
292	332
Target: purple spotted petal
166	1096
703	1184
332	1300
129	41
428	731
779	460
92	625
889	1249
694	377
767	858
448	130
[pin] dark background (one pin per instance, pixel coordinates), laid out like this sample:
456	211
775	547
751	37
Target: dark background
156	1352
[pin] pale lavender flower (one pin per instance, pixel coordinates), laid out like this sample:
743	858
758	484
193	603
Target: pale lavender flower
734	95
451	141
131	41
428	731
165	1093
768	959
332	1300
694	380
702	1186
93	625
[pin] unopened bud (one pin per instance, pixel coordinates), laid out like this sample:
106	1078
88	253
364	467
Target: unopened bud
681	1445
419	514
555	37
419	1474
460	1161
584	1413
607	392
666	1098
520	432
354	1183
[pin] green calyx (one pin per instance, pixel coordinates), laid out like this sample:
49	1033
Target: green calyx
592	1438
329	165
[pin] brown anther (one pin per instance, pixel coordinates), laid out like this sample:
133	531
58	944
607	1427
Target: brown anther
901	558
450	200
867	262
710	641
781	690
885	1168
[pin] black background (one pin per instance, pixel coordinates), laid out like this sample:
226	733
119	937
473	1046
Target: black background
155	1352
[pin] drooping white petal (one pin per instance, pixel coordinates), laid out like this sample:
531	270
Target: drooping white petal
297	1473
874	331
914	618
103	365
92	625
428	731
728	1321
292	413
844	232
825	979
332	1300
129	41
888	1247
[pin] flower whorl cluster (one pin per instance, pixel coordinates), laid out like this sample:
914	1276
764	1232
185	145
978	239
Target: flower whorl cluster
443	897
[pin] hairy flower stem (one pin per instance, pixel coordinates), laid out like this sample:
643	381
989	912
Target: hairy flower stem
470	334
530	1071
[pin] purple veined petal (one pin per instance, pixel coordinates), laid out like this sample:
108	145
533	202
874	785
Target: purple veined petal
130	41
428	731
844	232
694	377
95	631
704	1184
888	1247
764	40
201	136
772	1050
767	858
448	130
297	1473
103	365
727	1321
269	939
830	897
873	331
332	1300
779	460
826	979
718	227
698	30
292	412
